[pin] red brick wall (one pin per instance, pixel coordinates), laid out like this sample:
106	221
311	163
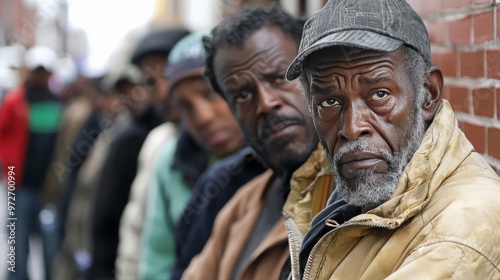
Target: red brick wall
465	36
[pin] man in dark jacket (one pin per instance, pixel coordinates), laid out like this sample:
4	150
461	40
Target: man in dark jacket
212	191
120	168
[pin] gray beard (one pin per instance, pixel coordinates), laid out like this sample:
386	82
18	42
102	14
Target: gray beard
371	190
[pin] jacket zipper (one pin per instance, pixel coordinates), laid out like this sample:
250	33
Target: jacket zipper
295	242
333	223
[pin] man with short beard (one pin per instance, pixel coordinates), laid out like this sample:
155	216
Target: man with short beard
413	199
247	58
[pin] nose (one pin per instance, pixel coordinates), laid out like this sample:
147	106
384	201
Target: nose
268	99
354	122
204	113
161	91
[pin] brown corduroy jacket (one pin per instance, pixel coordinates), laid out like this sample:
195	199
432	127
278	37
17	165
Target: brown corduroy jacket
230	233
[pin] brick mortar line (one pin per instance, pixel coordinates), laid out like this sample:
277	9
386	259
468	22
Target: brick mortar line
477	120
470	99
460	13
486	46
495	23
472	83
495	107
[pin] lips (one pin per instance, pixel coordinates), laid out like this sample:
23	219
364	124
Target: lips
216	137
277	130
353	162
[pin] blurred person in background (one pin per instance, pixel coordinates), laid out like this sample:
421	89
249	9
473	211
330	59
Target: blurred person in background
103	109
106	121
145	100
29	122
209	133
77	107
150	55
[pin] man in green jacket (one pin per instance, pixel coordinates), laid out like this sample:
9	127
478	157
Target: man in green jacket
413	200
211	128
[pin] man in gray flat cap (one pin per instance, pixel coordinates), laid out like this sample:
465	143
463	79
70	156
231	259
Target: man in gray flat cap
413	199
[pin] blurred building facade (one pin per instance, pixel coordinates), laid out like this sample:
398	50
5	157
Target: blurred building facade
465	36
26	23
204	14
30	22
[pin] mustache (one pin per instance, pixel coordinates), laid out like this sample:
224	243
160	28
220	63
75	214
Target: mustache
271	123
362	144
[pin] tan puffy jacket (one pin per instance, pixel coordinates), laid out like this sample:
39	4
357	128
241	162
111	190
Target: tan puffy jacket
441	223
310	187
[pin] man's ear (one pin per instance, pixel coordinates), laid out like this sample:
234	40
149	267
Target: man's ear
434	84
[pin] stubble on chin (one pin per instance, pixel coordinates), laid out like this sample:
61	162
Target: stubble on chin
371	189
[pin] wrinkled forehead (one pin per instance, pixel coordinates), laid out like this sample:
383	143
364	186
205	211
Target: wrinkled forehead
233	61
262	50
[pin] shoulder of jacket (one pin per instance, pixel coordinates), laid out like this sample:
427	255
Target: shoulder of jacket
249	193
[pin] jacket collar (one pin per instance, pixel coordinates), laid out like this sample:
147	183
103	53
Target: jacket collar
314	174
189	158
337	210
148	118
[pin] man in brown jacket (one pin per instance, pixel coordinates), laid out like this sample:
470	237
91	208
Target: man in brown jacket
247	59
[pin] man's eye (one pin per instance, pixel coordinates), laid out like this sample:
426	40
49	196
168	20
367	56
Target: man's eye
379	95
244	96
328	103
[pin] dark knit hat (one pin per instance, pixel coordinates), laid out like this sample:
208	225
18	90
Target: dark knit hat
158	42
187	59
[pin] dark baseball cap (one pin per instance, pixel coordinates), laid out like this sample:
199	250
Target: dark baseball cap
158	41
187	59
380	25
